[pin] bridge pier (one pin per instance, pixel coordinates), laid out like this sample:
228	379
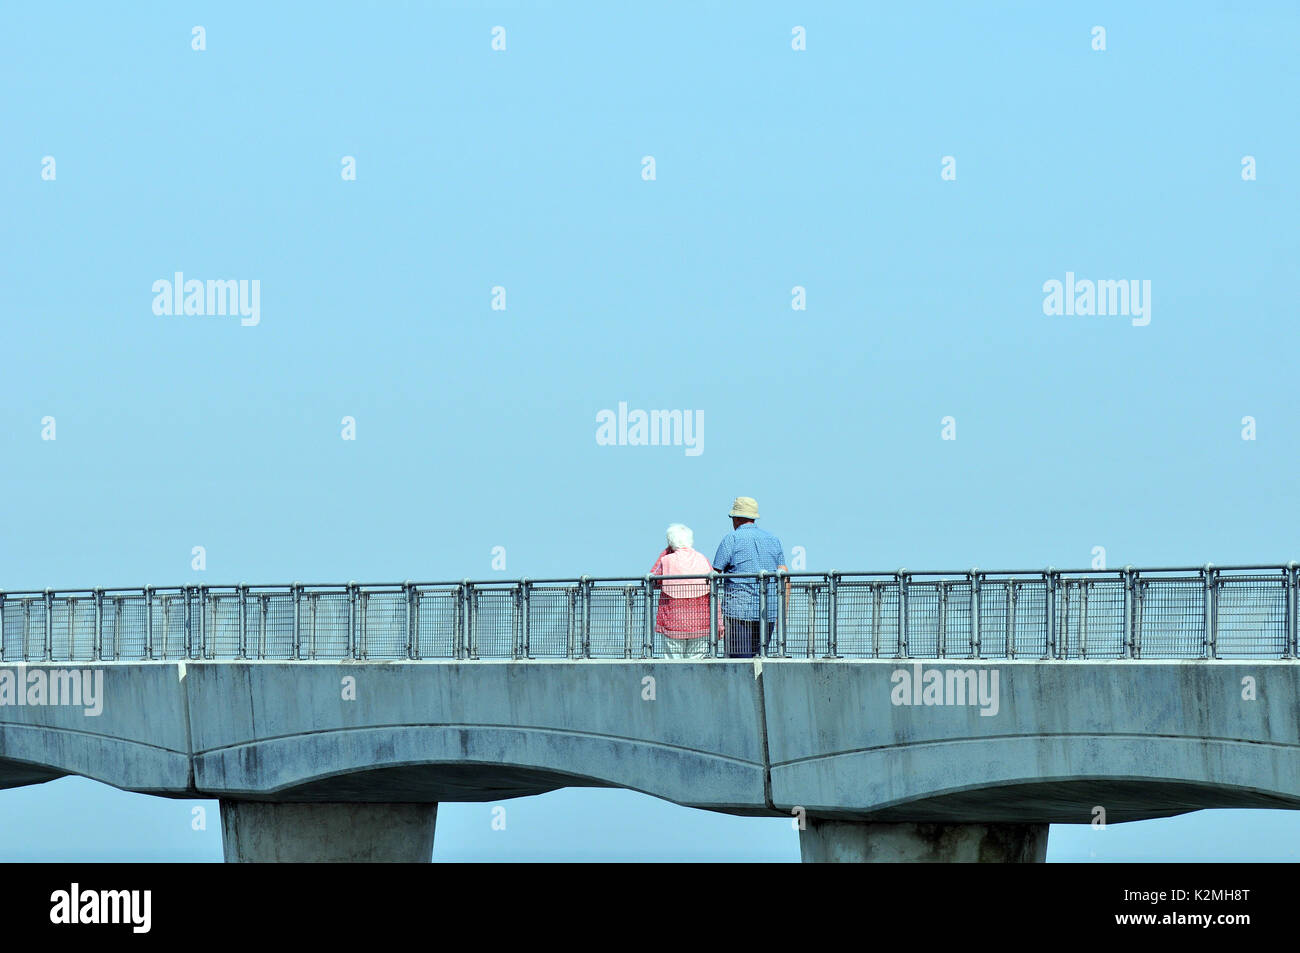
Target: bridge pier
273	832
826	841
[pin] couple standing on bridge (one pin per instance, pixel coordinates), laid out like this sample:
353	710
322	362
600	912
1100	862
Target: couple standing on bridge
683	616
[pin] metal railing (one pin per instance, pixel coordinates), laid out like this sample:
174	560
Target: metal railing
1205	613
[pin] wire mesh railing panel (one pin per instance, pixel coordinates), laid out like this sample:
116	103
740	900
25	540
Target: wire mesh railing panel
923	619
553	621
437	622
807	619
1090	619
81	629
616	612
324	623
1171	618
32	627
1029	618
382	620
958	620
661	614
274	628
1252	618
857	609
877	634
198	628
494	633
60	636
939	619
995	615
223	625
13	621
169	625
128	620
800	641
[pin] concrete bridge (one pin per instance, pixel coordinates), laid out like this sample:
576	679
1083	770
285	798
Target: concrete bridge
881	756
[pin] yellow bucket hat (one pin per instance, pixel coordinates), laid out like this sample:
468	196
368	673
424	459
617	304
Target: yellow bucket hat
745	506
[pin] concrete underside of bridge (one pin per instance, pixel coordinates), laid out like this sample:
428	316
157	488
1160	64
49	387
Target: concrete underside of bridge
874	770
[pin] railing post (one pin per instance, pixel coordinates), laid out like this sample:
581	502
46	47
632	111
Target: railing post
471	620
1083	618
877	601
1049	636
408	593
203	621
313	601
148	622
1130	610
585	588
784	587
49	625
70	601
904	650
810	640
185	622
1210	577
713	616
242	590
296	589
264	603
516	622
761	629
461	614
166	625
362	601
1289	574
648	629
832	612
1013	592
1139	599
941	633
526	593
1063	643
458	627
976	594
354	646
97	645
571	618
2	625
629	624
1084	585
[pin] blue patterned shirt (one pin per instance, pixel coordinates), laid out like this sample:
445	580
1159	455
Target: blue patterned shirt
748	549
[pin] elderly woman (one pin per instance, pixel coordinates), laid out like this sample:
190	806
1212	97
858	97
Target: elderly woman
683	617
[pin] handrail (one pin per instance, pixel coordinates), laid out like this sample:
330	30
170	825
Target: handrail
1205	612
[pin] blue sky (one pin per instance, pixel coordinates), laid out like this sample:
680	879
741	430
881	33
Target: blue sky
522	168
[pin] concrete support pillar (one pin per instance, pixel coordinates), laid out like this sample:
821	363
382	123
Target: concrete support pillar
851	842
270	832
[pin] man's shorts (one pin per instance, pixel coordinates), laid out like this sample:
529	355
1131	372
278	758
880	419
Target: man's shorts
742	638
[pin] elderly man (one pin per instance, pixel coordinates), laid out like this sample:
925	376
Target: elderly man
748	549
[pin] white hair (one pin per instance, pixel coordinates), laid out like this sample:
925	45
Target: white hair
680	537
